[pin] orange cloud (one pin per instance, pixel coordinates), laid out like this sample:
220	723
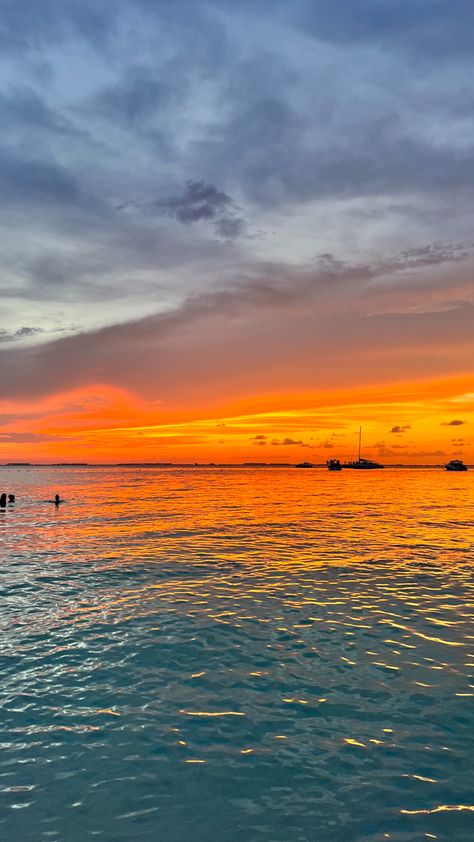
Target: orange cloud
105	424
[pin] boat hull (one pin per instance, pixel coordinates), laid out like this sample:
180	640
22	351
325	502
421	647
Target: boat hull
358	466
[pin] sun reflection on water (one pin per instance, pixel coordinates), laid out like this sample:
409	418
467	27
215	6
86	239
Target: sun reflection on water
281	649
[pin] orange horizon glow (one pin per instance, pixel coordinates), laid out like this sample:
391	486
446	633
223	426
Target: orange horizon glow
419	422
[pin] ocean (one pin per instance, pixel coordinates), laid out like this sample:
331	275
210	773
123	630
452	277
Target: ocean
236	654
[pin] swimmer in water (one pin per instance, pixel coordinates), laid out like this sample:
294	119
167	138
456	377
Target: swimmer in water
57	500
3	500
11	498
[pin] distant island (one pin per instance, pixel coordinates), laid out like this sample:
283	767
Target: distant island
183	465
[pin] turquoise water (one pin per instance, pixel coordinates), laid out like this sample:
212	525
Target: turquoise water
233	654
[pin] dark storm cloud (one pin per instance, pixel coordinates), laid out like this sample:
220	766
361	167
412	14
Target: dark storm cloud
400	429
455	423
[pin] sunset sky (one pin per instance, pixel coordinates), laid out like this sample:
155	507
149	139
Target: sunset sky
236	231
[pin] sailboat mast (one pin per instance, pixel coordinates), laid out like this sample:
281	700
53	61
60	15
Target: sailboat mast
360	436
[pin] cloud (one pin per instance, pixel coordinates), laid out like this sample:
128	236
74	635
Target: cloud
242	337
262	439
26	180
199	202
20	333
427	30
29	27
426	454
400	429
261	137
389	451
29	438
340	150
455	423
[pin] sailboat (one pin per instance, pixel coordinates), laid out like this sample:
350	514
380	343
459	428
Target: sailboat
363	464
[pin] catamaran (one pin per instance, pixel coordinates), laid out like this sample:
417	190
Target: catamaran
360	463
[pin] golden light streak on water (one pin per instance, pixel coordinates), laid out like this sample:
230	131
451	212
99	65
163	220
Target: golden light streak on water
213	643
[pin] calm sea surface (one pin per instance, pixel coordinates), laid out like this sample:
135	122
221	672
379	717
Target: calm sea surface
230	654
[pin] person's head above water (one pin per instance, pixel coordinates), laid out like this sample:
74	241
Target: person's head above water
57	498
11	498
3	499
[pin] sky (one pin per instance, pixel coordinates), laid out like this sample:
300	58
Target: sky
236	231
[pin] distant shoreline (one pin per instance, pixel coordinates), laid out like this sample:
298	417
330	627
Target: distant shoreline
185	465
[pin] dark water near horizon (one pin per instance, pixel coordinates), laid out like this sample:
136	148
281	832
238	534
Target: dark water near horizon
261	654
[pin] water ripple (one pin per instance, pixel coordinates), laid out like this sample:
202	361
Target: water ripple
237	654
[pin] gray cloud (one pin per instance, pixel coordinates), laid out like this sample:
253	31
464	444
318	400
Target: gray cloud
346	143
243	336
20	333
400	429
455	423
34	181
199	202
376	159
140	95
29	26
428	28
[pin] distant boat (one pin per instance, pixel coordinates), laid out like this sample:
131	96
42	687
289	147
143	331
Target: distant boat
363	464
334	465
456	465
304	465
